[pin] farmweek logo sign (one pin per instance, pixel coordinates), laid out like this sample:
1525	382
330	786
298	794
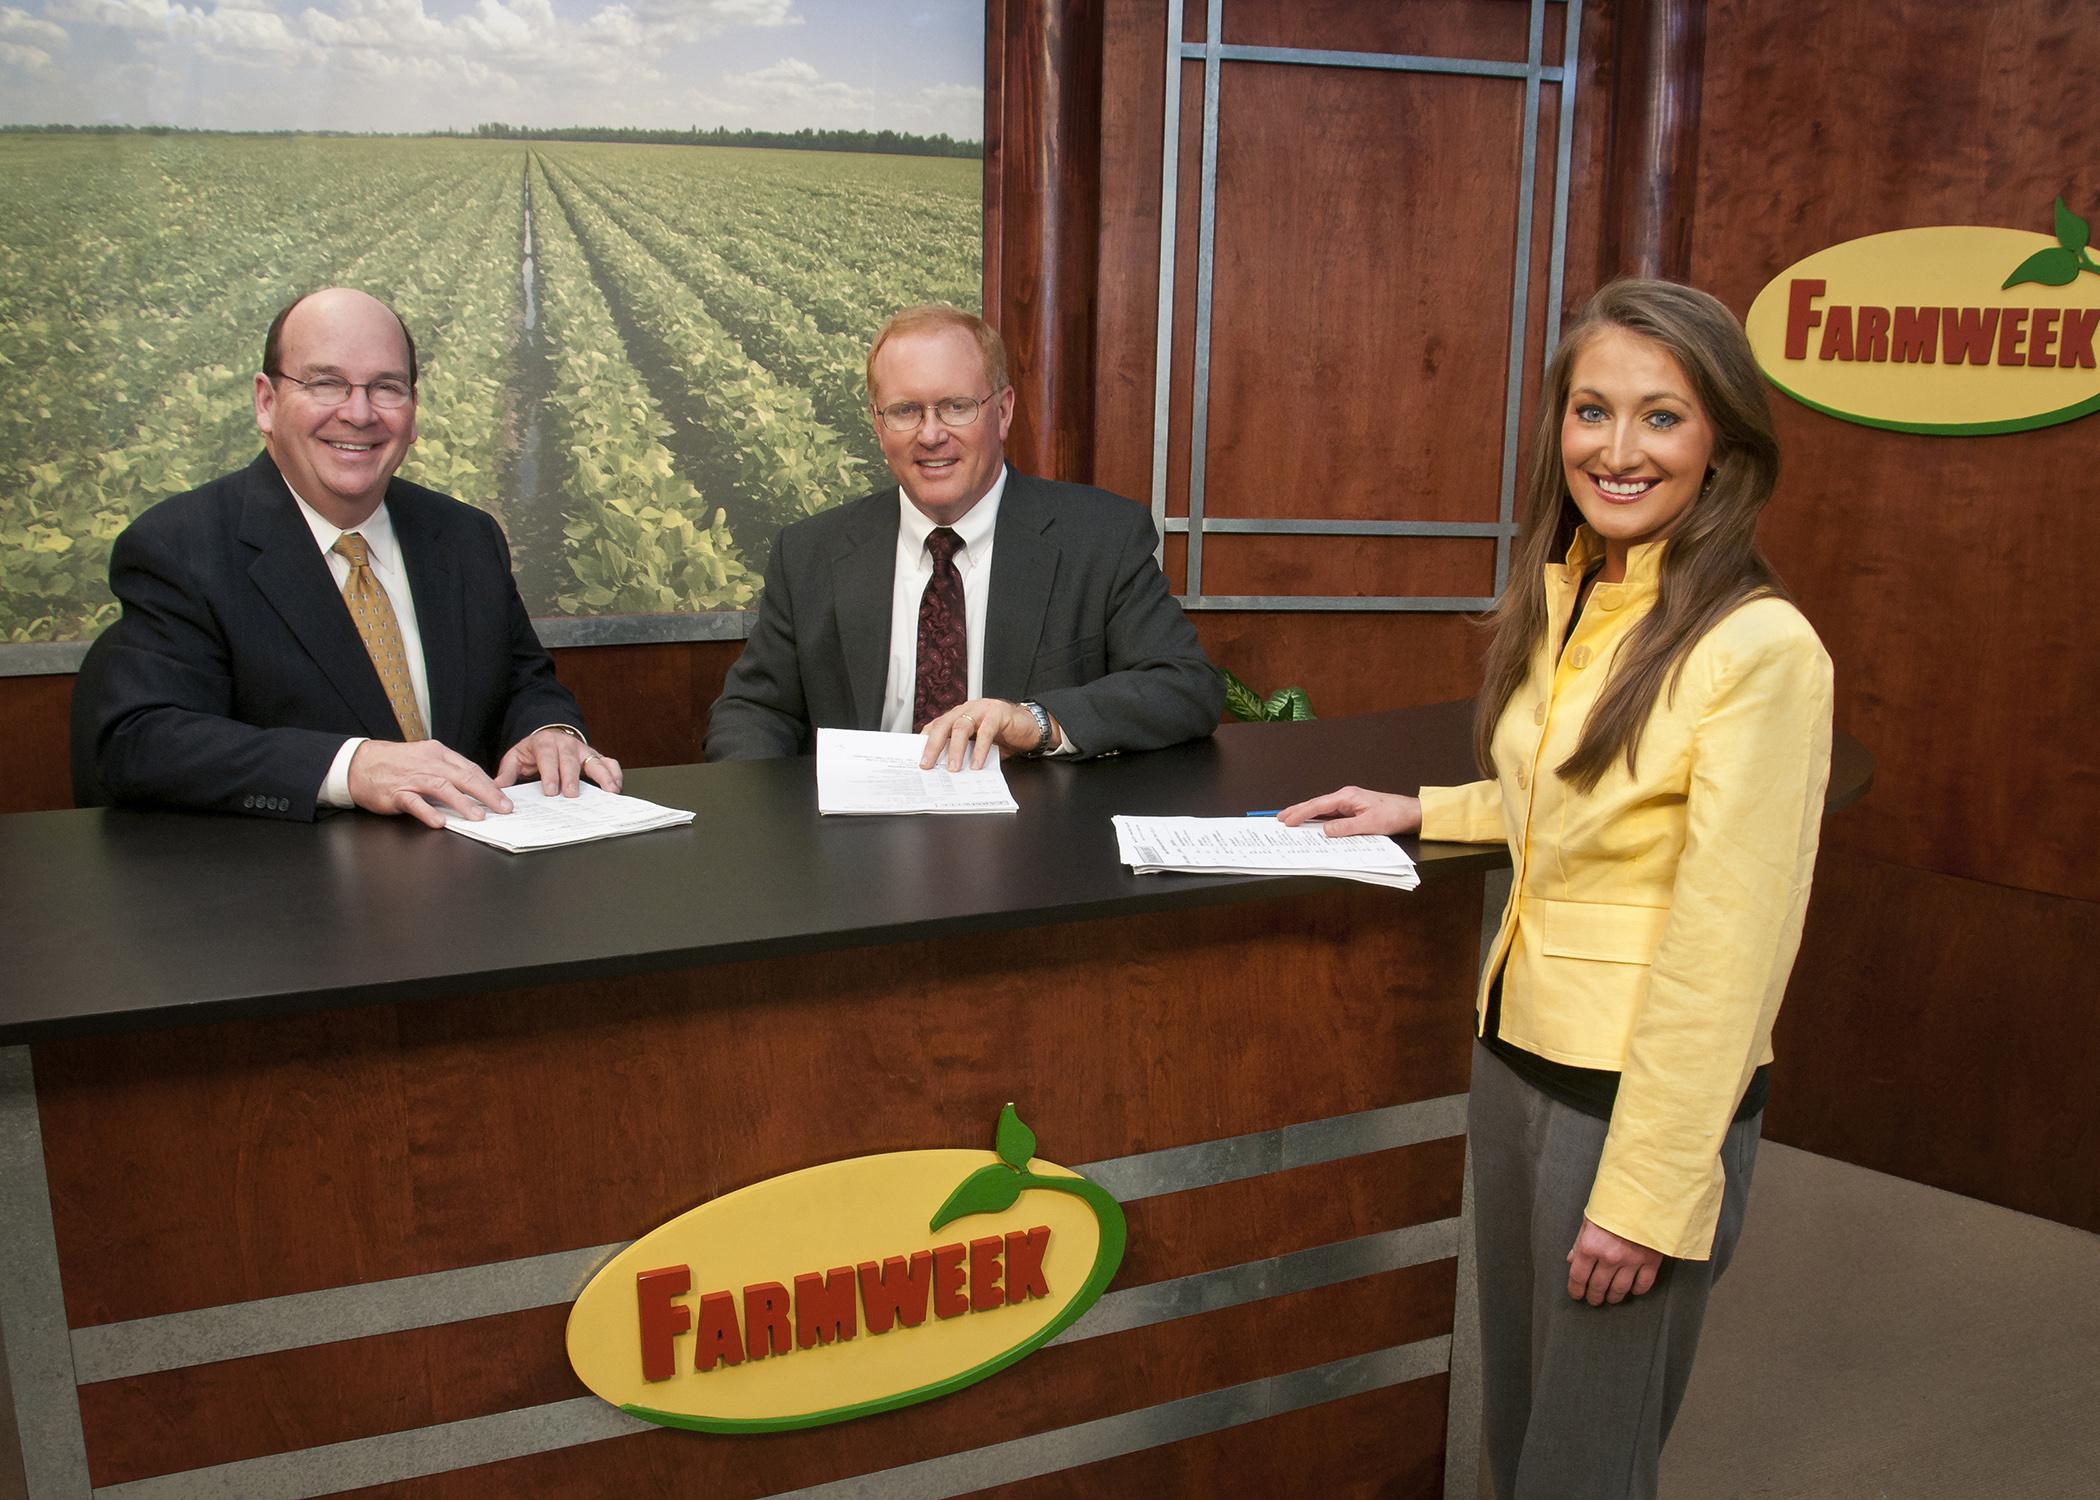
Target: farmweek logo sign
831	1293
1956	329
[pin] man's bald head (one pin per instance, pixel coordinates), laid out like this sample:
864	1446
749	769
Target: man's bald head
273	341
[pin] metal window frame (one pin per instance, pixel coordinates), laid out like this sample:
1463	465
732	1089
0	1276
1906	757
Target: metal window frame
1213	53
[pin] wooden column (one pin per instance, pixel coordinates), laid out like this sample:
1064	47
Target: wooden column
1652	171
1042	175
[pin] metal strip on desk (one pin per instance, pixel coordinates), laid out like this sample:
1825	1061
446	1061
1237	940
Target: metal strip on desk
32	1300
269	1325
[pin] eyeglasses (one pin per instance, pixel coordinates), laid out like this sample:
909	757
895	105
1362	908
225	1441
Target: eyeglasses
387	394
953	411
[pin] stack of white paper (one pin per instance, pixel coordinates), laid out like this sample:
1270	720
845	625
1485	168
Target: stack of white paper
867	771
538	821
1259	846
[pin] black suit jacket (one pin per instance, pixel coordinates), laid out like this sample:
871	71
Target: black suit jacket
239	673
1079	620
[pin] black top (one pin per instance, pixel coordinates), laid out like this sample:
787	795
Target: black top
117	917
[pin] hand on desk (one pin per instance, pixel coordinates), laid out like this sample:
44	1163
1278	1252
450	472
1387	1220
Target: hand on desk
388	776
558	760
421	778
1603	1267
971	729
1354	810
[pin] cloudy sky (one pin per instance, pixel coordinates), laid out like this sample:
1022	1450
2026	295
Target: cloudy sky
913	65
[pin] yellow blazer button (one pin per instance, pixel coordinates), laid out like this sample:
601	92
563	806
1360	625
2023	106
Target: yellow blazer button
1538	713
1606	599
1579	657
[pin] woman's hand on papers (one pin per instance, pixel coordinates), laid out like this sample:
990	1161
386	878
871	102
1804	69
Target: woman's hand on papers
1354	810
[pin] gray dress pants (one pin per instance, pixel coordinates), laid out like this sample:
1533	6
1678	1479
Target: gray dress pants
1576	1400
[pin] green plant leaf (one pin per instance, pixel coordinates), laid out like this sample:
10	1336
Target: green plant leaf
988	1190
2072	232
2054	266
1015	1141
1240	700
1289	704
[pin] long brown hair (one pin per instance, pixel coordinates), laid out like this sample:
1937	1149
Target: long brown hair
1711	564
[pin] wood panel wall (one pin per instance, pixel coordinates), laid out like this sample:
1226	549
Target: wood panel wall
1944	1017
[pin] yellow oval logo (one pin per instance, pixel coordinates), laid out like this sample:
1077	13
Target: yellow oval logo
847	1289
1955	329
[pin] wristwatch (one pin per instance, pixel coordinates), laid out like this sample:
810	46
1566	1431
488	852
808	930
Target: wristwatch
1041	716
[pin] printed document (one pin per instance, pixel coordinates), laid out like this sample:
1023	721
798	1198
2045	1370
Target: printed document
538	821
867	771
1259	846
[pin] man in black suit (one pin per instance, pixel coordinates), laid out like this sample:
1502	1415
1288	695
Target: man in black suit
312	632
991	609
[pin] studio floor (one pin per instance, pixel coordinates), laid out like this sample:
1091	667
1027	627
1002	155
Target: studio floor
1880	1340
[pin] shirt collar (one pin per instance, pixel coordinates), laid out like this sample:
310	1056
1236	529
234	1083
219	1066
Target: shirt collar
1643	560
975	527
377	529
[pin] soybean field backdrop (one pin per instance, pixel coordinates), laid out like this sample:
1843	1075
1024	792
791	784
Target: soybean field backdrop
641	359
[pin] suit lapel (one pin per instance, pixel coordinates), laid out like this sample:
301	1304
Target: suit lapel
1024	565
862	577
290	573
433	578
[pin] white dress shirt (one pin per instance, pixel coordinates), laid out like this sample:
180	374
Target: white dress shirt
914	570
383	551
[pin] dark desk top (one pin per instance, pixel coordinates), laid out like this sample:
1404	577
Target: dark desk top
113	918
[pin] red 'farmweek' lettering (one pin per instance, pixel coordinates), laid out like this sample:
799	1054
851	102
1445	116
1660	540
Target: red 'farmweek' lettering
2044	337
823	1308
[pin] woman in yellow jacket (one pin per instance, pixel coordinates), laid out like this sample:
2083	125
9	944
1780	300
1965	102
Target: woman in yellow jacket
1656	722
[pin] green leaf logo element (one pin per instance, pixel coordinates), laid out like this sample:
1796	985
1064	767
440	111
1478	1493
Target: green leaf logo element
988	1190
2072	232
2055	266
1015	1141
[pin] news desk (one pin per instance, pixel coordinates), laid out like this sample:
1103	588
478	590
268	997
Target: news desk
310	1133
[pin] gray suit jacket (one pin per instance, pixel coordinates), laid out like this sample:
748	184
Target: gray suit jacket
1079	620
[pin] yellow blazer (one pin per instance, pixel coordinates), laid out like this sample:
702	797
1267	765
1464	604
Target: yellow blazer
1652	921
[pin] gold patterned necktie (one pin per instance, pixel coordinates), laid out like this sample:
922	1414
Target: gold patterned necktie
373	614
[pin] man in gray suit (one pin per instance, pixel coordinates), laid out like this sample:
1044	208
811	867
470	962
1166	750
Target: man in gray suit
992	609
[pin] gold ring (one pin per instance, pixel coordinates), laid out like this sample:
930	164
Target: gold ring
589	758
971	717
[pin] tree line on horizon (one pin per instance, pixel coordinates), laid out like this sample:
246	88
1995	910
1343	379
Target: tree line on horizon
880	142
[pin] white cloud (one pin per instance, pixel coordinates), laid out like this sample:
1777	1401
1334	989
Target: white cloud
422	64
124	15
24	30
793	81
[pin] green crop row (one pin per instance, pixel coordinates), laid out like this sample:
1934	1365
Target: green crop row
768	326
639	537
762	450
178	403
137	274
847	246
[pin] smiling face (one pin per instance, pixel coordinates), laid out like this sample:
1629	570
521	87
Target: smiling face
338	458
945	470
1634	442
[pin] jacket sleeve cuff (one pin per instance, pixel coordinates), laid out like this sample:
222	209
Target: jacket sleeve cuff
1470	814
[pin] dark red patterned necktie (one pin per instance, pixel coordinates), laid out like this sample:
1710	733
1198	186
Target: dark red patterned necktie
944	634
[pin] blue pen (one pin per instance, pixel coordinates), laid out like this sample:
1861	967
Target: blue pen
1265	812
